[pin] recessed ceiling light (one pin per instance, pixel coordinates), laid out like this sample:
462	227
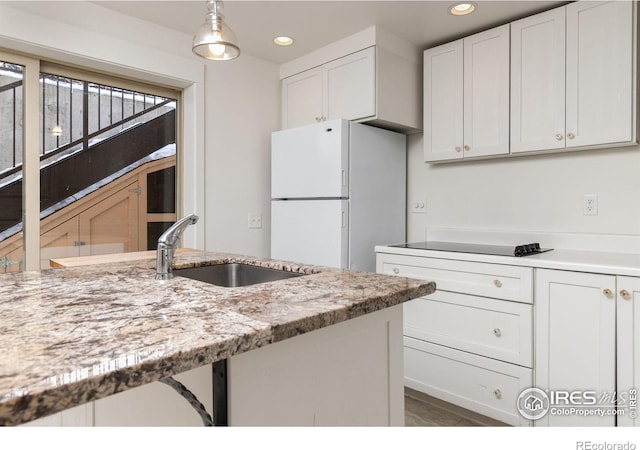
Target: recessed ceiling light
283	40
461	9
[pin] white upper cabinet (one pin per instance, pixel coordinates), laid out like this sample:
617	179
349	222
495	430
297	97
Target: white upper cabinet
342	89
466	97
379	84
443	101
350	86
302	98
538	82
486	93
580	56
600	73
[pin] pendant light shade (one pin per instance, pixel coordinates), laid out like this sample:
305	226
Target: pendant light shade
214	39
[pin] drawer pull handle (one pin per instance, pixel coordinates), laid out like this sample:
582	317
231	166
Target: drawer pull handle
396	270
625	294
608	293
497	283
497	393
497	332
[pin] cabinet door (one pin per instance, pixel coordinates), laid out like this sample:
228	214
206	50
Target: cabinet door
302	97
537	82
599	73
575	338
351	86
111	226
628	347
486	93
443	102
62	241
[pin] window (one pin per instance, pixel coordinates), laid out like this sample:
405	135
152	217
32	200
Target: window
11	149
101	143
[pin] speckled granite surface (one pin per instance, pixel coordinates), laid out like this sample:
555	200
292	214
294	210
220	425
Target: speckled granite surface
69	336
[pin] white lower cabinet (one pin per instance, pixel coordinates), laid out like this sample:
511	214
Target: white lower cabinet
483	385
490	331
471	342
628	342
586	346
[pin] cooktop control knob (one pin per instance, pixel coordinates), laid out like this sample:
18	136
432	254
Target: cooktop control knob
527	249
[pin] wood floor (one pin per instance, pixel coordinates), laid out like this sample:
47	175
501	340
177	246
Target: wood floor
422	410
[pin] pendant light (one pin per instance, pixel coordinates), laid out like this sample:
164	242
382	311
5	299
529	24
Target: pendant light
214	39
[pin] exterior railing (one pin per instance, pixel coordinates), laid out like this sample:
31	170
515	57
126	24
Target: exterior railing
13	87
140	105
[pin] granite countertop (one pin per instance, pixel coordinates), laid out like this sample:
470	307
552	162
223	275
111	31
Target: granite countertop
70	336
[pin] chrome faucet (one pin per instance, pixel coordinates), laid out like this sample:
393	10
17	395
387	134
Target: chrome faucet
167	246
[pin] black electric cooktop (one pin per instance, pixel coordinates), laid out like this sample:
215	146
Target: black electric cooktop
483	249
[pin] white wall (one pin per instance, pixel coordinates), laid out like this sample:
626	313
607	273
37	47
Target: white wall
243	105
231	132
536	193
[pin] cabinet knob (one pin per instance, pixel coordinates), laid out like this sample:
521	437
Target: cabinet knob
497	332
625	294
608	293
458	149
571	135
396	270
467	148
497	393
497	283
559	137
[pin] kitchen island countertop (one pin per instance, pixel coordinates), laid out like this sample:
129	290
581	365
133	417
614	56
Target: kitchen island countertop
71	336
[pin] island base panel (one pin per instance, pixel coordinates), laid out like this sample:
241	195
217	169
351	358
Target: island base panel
346	374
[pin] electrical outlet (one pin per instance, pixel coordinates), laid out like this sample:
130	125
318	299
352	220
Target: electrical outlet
590	205
255	220
419	206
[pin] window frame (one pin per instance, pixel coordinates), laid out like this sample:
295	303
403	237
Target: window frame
33	66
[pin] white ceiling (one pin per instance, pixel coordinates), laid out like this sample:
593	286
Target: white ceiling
314	24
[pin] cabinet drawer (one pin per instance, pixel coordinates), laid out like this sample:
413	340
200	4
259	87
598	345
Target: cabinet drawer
487	280
479	384
494	328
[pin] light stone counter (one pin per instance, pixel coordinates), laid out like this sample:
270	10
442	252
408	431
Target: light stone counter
70	336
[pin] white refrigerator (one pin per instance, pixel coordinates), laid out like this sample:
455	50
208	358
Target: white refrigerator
338	189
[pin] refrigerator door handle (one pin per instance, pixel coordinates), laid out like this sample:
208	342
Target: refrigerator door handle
344	178
344	219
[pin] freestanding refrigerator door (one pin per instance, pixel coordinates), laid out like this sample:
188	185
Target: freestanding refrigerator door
311	161
310	232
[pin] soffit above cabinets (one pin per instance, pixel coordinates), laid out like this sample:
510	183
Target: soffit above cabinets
314	24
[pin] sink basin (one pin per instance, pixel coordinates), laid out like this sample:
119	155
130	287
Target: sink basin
234	274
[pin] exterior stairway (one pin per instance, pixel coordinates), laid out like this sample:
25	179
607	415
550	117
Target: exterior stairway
82	169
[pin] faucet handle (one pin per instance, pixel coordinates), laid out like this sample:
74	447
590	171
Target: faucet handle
166	246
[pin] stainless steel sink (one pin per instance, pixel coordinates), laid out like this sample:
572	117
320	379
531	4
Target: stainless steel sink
234	274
